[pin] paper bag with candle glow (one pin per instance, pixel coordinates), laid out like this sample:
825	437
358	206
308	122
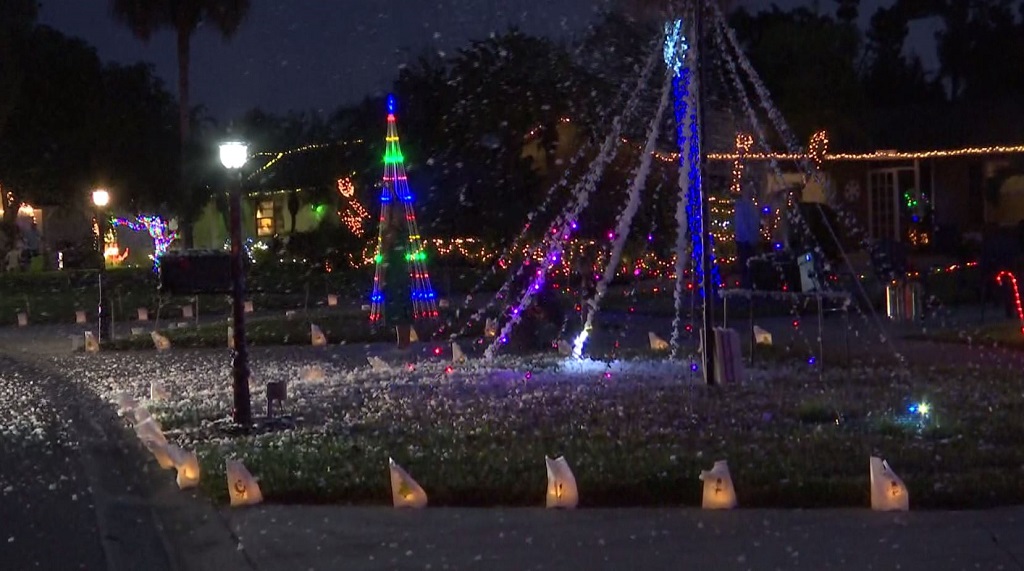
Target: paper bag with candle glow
719	493
161	342
405	492
242	487
888	493
562	491
317	337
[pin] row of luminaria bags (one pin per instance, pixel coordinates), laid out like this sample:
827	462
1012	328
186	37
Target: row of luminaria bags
888	493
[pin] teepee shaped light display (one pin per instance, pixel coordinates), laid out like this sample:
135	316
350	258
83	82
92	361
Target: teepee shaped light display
401	284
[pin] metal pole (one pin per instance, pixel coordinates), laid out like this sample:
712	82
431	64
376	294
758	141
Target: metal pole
103	312
240	359
821	338
707	285
753	338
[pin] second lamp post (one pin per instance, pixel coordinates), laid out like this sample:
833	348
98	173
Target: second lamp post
233	155
100	200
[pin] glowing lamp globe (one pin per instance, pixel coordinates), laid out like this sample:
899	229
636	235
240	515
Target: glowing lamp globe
233	155
100	197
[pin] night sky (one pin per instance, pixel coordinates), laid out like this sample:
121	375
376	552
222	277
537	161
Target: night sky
318	54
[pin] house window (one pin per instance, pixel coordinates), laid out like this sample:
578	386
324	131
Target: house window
265	225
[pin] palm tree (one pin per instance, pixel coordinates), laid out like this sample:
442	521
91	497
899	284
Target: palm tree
145	17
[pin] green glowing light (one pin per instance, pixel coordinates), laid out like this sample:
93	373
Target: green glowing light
393	157
420	256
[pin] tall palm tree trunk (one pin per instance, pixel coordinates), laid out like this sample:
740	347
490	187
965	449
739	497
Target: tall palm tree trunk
184	40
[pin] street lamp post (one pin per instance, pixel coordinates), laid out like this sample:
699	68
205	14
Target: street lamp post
233	155
100	199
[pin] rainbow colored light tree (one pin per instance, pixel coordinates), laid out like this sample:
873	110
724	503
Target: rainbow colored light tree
401	284
157	229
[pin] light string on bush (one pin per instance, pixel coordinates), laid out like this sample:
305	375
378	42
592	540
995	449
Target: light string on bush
157	229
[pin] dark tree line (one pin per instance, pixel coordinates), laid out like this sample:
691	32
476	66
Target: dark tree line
69	123
464	120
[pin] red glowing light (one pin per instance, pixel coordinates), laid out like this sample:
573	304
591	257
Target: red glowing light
1016	294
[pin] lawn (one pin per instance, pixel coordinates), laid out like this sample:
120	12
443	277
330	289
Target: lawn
54	297
1006	334
638	435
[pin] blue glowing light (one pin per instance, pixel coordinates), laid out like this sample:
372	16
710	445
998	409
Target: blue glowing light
391	103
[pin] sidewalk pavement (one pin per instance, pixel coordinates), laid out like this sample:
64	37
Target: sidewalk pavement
288	538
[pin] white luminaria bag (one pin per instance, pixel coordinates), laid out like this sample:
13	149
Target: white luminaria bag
376	363
490	328
762	336
719	493
161	450
405	492
458	356
888	493
125	403
562	492
187	464
161	342
242	487
317	337
149	431
657	343
313	373
91	344
158	392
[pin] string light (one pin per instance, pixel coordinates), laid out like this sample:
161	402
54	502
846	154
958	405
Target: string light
278	155
818	148
872	156
1012	279
396	185
352	214
158	231
744	142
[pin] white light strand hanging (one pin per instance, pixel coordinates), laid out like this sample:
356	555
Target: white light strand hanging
723	31
566	225
758	128
625	218
514	246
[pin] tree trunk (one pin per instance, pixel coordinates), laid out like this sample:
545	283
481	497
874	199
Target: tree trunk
186	225
293	209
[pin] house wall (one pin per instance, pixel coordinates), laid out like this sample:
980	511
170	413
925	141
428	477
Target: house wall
210	230
958	196
1011	202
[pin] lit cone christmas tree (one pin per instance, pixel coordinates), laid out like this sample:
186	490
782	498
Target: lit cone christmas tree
401	285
